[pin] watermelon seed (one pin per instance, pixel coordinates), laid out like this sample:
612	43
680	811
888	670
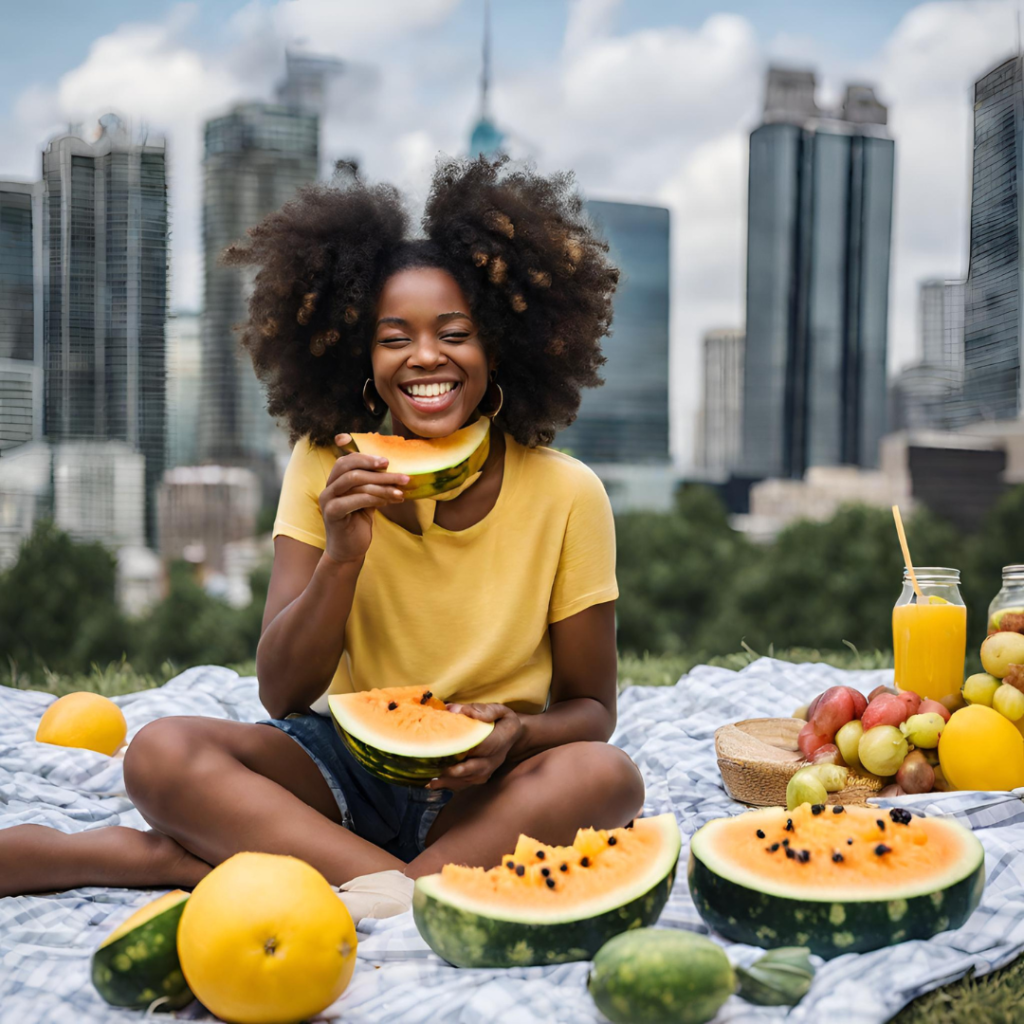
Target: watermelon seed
773	847
881	824
545	872
790	853
816	809
520	870
511	865
563	867
551	883
838	809
849	842
881	849
804	856
837	858
392	705
612	840
785	842
900	816
540	855
789	825
426	697
760	834
585	862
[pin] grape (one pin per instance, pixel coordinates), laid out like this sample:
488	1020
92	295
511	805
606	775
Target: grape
834	710
980	688
912	700
808	741
879	690
915	775
805	788
801	712
924	730
832	776
860	702
882	749
1009	702
885	709
928	706
847	740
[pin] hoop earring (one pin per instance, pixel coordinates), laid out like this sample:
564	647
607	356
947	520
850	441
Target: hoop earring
368	401
492	413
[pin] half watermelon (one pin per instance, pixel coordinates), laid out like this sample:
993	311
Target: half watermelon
435	465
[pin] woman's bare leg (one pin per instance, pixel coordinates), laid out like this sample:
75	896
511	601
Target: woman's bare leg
548	797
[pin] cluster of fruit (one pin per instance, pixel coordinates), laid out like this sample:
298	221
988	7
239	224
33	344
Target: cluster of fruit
1001	685
888	734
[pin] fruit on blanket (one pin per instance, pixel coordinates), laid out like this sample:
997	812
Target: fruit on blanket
882	749
838	880
137	963
84	720
809	741
885	709
434	465
404	734
828	754
782	977
1009	702
878	690
1007	619
933	706
912	700
848	740
980	688
264	939
834	709
924	730
1001	650
805	788
980	749
660	976
550	904
915	775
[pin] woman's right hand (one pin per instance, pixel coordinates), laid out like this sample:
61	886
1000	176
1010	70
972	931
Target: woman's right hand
357	485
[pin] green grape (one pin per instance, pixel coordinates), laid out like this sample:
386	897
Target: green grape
1009	702
882	750
923	730
831	776
848	739
980	688
805	788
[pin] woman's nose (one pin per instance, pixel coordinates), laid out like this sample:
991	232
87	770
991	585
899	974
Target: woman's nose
427	354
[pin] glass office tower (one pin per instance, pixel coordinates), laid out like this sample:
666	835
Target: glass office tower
818	240
626	420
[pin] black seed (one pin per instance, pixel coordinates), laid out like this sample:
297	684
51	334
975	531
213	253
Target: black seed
900	816
511	865
837	858
789	825
817	809
540	855
790	853
392	705
760	834
426	697
881	824
563	867
838	809
773	847
849	842
881	849
585	862
804	856
612	840
520	870
545	872
630	825
551	883
785	842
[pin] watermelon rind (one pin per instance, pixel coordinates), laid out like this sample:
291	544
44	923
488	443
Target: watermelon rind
454	464
467	933
394	768
736	904
137	966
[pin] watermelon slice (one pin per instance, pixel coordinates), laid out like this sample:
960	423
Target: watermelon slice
404	734
435	464
550	904
836	879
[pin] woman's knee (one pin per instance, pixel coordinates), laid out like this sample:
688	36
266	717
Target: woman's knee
158	761
604	773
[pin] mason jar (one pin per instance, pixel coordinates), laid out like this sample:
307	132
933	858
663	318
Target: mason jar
1009	600
929	636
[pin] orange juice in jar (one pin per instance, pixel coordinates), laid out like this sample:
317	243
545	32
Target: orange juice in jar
929	635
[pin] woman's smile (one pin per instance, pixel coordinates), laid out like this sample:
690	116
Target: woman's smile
428	394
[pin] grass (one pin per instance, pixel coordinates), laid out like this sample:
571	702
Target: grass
992	999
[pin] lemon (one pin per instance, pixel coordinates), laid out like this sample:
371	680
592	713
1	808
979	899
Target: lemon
84	720
264	939
980	749
935	599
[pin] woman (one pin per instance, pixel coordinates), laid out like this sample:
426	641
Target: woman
503	594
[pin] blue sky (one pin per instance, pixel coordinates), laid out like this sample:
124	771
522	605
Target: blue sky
647	100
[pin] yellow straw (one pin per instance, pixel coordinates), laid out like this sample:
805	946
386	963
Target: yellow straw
906	551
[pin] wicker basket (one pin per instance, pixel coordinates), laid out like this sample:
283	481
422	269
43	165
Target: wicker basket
758	757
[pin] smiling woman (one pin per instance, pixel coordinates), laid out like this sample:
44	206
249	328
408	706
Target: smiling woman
495	593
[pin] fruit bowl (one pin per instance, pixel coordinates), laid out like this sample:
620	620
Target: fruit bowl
757	758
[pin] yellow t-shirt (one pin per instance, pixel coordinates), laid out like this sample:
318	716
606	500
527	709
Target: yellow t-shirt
466	612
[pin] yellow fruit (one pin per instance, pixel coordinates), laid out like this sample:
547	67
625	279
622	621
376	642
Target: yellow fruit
264	939
1009	702
980	688
980	749
84	720
1001	650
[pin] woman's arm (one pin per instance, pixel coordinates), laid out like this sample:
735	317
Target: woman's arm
584	685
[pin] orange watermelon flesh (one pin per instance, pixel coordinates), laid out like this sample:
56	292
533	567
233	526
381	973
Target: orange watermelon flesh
536	910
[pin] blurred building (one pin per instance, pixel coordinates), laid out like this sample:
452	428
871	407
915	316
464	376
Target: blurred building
720	430
256	157
21	313
184	374
25	495
139	581
486	139
307	81
818	241
940	325
203	509
993	324
626	419
105	293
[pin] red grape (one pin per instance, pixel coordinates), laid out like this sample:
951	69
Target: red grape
885	709
834	710
860	702
912	700
878	691
915	775
809	741
934	706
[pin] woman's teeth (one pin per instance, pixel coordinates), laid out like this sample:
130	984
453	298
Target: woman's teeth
429	390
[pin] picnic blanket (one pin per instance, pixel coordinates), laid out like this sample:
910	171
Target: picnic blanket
46	941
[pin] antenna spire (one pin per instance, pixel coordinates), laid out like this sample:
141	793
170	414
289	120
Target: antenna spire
485	77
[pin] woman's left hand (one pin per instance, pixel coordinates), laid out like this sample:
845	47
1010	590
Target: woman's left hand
486	758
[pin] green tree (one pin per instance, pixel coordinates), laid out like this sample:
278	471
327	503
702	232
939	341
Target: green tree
58	605
999	542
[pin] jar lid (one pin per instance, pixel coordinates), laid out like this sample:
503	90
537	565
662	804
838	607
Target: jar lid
933	574
1013	572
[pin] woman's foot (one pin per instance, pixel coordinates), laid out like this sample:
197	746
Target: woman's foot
380	894
34	858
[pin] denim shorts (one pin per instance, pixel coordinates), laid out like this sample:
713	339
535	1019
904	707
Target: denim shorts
395	818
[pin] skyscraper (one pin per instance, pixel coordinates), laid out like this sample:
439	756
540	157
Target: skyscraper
21	313
818	239
105	294
940	325
626	420
256	157
993	329
486	139
184	373
721	422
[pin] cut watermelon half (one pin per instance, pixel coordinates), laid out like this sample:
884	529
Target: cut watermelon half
435	465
